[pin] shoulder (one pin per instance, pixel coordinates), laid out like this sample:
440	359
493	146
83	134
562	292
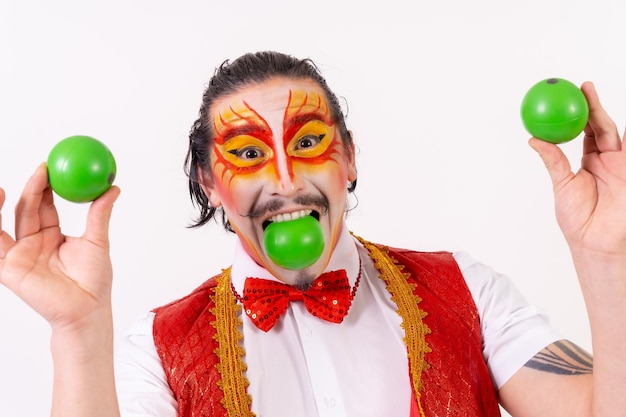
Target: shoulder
175	322
430	261
190	305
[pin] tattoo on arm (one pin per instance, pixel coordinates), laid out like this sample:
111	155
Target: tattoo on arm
562	358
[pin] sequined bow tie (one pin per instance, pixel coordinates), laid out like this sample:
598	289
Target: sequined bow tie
328	298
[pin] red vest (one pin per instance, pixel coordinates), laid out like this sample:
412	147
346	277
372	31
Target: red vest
456	381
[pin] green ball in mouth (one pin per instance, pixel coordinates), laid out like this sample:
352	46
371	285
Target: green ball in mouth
294	244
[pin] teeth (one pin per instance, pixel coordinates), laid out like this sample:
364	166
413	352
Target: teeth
290	216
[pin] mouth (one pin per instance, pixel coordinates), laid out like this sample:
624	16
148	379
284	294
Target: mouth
285	217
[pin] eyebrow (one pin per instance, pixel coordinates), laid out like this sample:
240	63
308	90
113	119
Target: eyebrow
294	123
300	119
231	132
253	126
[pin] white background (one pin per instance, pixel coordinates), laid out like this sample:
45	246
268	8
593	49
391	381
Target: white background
433	90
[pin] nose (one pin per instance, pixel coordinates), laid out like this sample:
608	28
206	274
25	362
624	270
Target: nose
286	182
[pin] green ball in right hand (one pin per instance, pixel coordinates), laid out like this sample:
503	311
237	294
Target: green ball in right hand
554	110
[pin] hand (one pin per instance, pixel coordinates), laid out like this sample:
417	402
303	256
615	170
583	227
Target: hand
590	208
67	280
590	204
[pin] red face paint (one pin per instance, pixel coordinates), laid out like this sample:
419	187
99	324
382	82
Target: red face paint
275	141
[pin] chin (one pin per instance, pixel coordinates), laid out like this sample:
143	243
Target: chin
300	278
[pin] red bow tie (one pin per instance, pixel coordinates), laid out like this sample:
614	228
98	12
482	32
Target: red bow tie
328	298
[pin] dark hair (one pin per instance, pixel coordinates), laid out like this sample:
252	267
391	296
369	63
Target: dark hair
229	78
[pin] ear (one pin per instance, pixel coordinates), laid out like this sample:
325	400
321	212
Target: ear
352	173
208	186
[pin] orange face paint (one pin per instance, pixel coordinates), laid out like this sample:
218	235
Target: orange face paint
245	143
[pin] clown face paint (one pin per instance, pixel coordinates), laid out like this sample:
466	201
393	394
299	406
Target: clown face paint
279	155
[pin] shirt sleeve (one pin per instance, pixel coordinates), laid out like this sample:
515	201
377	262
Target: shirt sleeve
142	387
513	330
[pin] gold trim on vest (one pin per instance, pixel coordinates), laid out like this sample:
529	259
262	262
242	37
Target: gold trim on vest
231	365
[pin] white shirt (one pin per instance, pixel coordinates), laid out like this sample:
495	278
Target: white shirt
312	368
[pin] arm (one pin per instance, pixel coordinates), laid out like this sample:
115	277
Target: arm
590	208
66	280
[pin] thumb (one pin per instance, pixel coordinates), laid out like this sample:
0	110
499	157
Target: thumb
99	216
555	161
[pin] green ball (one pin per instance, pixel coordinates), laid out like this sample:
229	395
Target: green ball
554	110
294	244
80	168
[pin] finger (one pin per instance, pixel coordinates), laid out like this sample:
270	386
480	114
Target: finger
2	198
48	215
99	216
6	242
555	161
27	210
601	132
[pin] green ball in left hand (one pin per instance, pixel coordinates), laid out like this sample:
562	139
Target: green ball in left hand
554	110
80	168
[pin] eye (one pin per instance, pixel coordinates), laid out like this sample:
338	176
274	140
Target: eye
248	153
245	151
309	141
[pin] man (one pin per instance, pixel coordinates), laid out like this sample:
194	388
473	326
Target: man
405	333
